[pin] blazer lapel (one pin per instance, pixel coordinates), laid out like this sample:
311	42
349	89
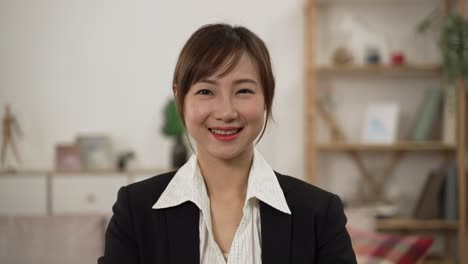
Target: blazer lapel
183	233
276	235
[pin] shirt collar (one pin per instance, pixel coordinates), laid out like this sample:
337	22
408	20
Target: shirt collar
188	185
263	185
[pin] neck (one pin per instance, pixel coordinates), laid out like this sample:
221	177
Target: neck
226	178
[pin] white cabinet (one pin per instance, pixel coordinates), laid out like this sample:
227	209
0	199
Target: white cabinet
23	194
44	192
85	193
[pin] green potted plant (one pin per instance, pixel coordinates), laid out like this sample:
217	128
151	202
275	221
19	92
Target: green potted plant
173	127
453	43
454	47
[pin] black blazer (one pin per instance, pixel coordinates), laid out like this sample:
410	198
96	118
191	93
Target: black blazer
314	233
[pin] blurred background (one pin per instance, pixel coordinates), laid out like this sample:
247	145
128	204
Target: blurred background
72	67
360	95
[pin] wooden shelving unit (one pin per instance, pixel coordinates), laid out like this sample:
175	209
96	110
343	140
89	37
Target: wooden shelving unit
314	110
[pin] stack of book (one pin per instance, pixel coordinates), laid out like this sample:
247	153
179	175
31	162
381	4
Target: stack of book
437	116
438	198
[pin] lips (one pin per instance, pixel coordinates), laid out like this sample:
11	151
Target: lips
225	133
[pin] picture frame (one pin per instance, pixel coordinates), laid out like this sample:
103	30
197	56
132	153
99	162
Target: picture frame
381	123
95	152
67	157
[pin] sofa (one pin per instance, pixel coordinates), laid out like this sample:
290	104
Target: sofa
79	238
64	239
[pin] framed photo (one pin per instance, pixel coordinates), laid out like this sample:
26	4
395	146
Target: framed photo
67	157
380	125
95	152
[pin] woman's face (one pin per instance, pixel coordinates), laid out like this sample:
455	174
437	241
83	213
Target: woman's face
225	114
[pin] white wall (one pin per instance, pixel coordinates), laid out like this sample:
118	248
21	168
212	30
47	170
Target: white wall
87	66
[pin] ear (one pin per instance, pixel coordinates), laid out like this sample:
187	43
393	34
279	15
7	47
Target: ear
174	90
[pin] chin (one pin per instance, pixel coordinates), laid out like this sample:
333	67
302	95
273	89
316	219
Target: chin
228	154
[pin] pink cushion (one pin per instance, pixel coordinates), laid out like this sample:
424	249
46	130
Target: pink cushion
377	248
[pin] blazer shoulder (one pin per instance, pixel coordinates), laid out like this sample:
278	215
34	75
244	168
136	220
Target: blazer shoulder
148	191
303	194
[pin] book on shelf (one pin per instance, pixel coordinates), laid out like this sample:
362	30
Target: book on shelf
428	205
449	194
439	196
449	121
427	115
436	128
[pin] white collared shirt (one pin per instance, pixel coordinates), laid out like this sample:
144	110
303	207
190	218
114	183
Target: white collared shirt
188	185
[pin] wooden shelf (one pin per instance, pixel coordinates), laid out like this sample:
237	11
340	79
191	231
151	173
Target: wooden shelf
416	225
370	1
382	70
31	172
24	172
399	146
104	172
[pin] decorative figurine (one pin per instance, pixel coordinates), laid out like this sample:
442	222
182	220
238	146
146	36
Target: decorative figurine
123	159
398	58
372	56
10	128
342	56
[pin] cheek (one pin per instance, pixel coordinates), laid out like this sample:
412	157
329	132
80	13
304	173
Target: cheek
195	113
255	112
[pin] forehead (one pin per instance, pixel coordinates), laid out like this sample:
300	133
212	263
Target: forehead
244	67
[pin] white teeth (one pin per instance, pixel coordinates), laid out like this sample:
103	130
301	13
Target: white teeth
224	132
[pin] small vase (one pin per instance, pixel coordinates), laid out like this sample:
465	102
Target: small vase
179	153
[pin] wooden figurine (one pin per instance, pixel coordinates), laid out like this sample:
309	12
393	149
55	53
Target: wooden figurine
342	56
10	128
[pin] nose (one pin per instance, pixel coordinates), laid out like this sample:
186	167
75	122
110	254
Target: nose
226	111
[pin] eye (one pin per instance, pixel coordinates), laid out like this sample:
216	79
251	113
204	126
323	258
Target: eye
204	92
245	91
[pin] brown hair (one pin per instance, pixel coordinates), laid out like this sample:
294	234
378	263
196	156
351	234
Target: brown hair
220	45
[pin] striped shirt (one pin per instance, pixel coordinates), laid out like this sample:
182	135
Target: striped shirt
188	185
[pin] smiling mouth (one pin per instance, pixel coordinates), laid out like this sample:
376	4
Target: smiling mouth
224	132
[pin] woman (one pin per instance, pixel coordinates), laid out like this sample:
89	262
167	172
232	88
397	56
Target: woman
226	204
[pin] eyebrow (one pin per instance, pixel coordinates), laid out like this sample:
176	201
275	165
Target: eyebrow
245	80
239	81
